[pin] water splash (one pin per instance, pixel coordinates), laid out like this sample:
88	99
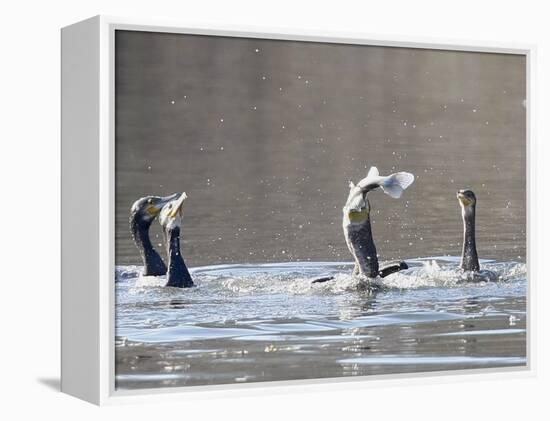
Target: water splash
446	273
271	315
296	277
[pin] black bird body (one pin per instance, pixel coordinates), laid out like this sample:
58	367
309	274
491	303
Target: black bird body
152	262
142	214
357	225
358	235
177	275
360	242
469	262
170	219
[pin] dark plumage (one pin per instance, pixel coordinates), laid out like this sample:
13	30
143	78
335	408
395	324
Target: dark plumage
356	221
467	200
358	234
357	227
142	214
170	219
469	262
386	270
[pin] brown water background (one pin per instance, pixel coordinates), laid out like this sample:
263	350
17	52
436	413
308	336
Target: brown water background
264	136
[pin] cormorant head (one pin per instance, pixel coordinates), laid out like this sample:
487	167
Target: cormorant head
146	209
467	198
357	206
171	214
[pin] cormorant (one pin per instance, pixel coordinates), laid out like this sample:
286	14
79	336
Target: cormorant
170	219
467	200
356	221
142	214
357	227
469	262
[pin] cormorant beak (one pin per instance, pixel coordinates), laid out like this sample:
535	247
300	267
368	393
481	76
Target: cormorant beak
177	206
155	208
167	199
461	198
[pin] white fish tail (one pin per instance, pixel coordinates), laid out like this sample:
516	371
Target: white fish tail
395	184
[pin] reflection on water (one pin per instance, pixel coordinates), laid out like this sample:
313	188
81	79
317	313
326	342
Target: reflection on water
246	323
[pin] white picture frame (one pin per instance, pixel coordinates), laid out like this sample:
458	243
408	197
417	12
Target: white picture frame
88	203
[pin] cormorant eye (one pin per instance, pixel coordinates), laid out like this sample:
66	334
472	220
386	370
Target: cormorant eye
149	201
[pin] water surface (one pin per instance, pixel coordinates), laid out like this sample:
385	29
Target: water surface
249	323
264	136
265	142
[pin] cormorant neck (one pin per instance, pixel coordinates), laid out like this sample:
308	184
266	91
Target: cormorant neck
470	261
361	245
152	262
370	266
178	274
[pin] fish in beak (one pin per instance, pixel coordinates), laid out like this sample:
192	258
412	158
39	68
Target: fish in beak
177	206
172	212
156	204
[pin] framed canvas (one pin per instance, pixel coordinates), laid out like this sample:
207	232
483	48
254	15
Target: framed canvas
244	208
